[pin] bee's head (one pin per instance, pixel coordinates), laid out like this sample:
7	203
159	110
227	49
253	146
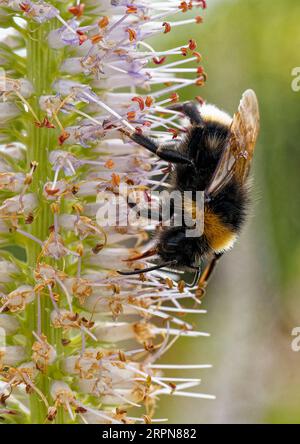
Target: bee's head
175	246
175	250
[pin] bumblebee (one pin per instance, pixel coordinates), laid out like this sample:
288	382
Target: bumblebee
215	157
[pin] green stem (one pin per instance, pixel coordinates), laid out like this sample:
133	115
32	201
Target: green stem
42	68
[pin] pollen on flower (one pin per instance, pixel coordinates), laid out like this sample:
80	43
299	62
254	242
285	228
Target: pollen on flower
201	80
96	39
174	132
167	27
25	7
131	34
131	115
115	179
131	9
198	56
199	19
140	101
45	123
77	10
109	164
159	60
149	101
203	3
63	137
183	6
184	51
174	97
103	22
192	44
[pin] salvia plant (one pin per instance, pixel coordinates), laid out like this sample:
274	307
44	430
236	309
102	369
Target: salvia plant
80	342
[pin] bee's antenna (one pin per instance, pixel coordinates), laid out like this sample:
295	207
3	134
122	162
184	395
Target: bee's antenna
146	270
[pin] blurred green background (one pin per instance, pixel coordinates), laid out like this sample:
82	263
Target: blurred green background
253	301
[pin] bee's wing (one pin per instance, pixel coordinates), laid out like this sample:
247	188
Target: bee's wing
236	159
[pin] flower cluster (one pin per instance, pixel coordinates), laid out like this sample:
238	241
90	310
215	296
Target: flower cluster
82	341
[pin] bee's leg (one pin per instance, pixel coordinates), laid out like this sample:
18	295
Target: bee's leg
205	276
191	110
195	280
166	152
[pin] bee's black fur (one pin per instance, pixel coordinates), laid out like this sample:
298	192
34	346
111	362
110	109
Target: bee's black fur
231	205
195	160
187	252
204	145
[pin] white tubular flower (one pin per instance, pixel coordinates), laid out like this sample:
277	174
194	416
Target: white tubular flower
10	88
12	181
11	355
79	79
19	204
14	151
18	298
8	111
9	324
7	270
